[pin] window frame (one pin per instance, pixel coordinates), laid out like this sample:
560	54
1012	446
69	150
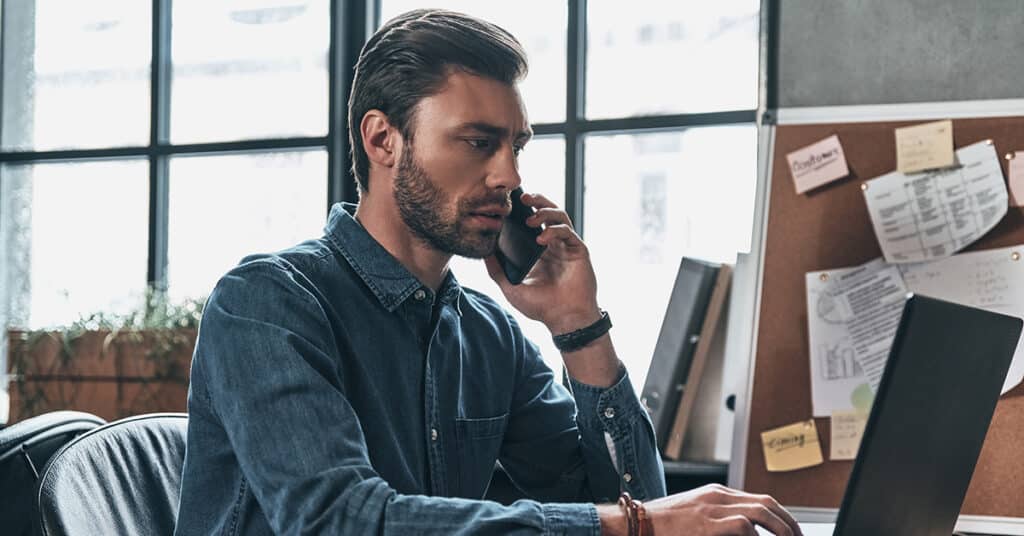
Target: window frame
351	23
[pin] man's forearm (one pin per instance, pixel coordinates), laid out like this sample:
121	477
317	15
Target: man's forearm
613	520
595	364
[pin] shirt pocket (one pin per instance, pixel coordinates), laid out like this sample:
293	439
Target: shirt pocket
478	442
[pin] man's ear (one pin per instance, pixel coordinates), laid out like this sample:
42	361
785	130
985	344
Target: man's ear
380	139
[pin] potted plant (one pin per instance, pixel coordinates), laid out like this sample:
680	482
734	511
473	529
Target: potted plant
110	365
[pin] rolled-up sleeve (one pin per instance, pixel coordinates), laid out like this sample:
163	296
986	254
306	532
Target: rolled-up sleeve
266	370
614	416
580	442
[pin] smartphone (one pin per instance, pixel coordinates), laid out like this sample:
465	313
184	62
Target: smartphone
518	249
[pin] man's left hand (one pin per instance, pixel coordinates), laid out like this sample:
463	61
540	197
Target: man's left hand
561	289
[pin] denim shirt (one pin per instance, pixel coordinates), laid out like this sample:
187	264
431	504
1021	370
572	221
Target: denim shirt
333	393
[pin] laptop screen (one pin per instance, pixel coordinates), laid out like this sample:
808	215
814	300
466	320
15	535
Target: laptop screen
929	420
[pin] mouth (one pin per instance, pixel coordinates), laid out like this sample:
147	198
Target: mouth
491	217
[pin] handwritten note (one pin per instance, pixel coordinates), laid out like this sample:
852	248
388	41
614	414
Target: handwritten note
991	279
927	146
817	164
847	431
792	447
932	215
1017	179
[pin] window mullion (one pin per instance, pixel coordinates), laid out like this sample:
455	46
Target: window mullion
159	134
575	98
350	25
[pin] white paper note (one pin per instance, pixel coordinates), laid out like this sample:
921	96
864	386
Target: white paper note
847	430
838	381
934	214
991	279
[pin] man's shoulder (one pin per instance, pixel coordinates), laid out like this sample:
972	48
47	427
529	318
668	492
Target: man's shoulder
305	264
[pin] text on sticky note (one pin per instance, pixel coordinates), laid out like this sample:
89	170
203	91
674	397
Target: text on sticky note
926	146
847	431
817	164
792	447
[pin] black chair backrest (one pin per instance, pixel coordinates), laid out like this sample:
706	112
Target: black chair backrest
25	447
122	478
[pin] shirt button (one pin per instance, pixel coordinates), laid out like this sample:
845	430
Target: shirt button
433	434
627	477
609	413
419	294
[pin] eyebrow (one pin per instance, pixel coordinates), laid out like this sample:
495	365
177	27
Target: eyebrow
495	130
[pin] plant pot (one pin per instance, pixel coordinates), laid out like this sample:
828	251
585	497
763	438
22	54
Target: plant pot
109	375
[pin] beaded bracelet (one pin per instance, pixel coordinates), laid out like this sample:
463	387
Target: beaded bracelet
637	523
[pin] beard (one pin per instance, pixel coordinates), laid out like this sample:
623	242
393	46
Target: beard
431	216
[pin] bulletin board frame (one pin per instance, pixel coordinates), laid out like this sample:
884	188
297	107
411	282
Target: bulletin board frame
830	228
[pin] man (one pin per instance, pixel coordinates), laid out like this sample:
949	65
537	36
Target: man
349	385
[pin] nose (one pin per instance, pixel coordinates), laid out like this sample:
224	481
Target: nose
505	171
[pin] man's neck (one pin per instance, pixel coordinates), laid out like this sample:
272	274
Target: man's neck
386	226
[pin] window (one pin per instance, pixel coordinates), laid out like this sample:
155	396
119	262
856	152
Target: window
652	105
155	143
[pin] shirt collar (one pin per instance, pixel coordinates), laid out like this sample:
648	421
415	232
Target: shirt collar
389	281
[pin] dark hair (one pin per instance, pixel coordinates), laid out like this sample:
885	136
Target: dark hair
410	58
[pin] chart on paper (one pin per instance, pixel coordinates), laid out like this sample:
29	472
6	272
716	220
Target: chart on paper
934	214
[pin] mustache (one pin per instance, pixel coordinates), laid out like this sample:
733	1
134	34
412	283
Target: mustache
503	199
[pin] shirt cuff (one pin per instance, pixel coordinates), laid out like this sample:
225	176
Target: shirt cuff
571	520
614	409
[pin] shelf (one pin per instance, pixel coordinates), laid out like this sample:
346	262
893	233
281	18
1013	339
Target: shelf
719	470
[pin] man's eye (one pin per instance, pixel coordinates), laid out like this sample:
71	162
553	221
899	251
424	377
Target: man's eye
518	149
479	143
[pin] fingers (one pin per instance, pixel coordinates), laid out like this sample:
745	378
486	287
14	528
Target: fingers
549	216
759	514
779	516
560	234
781	512
734	526
537	201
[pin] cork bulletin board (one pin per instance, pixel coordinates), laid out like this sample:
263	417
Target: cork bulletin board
830	228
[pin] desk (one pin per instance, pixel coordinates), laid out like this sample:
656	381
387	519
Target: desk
679	477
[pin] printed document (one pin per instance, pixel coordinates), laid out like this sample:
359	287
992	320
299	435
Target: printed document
932	215
838	382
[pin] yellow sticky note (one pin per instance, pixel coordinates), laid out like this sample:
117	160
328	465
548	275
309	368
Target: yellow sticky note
847	430
792	447
926	146
1017	179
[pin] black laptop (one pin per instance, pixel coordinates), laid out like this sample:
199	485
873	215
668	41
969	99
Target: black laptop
945	372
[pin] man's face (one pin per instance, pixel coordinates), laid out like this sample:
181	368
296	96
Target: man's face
452	191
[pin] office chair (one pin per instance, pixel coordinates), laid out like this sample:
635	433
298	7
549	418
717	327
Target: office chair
122	478
25	447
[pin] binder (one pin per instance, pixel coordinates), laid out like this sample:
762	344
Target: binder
677	341
696	419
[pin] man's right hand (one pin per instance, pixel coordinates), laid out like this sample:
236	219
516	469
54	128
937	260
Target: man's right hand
711	510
